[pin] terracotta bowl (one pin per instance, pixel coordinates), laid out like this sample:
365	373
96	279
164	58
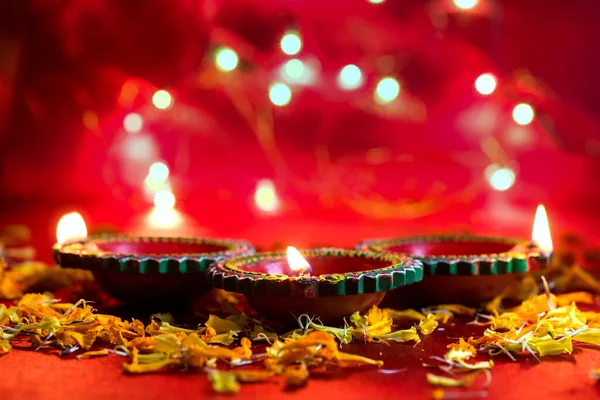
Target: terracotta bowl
149	270
462	269
341	282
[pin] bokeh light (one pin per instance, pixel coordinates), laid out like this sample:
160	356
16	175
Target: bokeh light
164	200
265	196
376	1
159	172
485	84
350	77
291	43
280	94
500	178
226	59
294	69
523	114
465	4
162	99
133	122
387	90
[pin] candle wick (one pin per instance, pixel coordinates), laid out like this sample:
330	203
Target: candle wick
304	273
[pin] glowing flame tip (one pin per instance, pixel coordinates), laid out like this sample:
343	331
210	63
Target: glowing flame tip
296	261
541	230
71	228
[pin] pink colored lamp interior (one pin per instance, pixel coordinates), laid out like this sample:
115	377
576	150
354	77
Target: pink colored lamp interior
451	248
320	265
159	247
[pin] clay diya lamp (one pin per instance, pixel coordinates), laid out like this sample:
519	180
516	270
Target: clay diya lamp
149	270
326	283
468	269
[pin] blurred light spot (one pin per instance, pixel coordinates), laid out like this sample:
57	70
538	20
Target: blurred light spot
299	72
164	200
378	155
291	43
486	84
162	99
159	172
376	1
226	59
350	77
132	122
280	94
465	4
155	186
141	147
265	196
164	218
500	178
387	90
294	69
523	114
519	136
90	120
129	92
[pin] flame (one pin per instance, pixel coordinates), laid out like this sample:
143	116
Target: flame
70	228
541	230
296	261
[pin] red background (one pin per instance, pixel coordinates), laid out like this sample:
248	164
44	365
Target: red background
62	59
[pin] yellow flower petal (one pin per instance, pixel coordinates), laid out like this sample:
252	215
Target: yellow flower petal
428	325
405	315
224	382
588	336
346	360
148	367
221	325
4	346
444	381
224	338
401	336
244	351
575	297
96	353
296	375
252	375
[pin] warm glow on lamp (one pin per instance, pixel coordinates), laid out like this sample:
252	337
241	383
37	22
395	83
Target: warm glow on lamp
162	99
133	122
296	262
265	196
71	228
541	230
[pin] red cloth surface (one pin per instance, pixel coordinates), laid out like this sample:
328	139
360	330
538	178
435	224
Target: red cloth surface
34	375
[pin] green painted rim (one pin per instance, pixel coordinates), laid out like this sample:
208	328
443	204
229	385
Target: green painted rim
78	255
511	262
401	271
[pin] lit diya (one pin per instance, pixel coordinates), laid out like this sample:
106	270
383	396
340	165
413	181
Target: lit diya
468	268
143	269
326	283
